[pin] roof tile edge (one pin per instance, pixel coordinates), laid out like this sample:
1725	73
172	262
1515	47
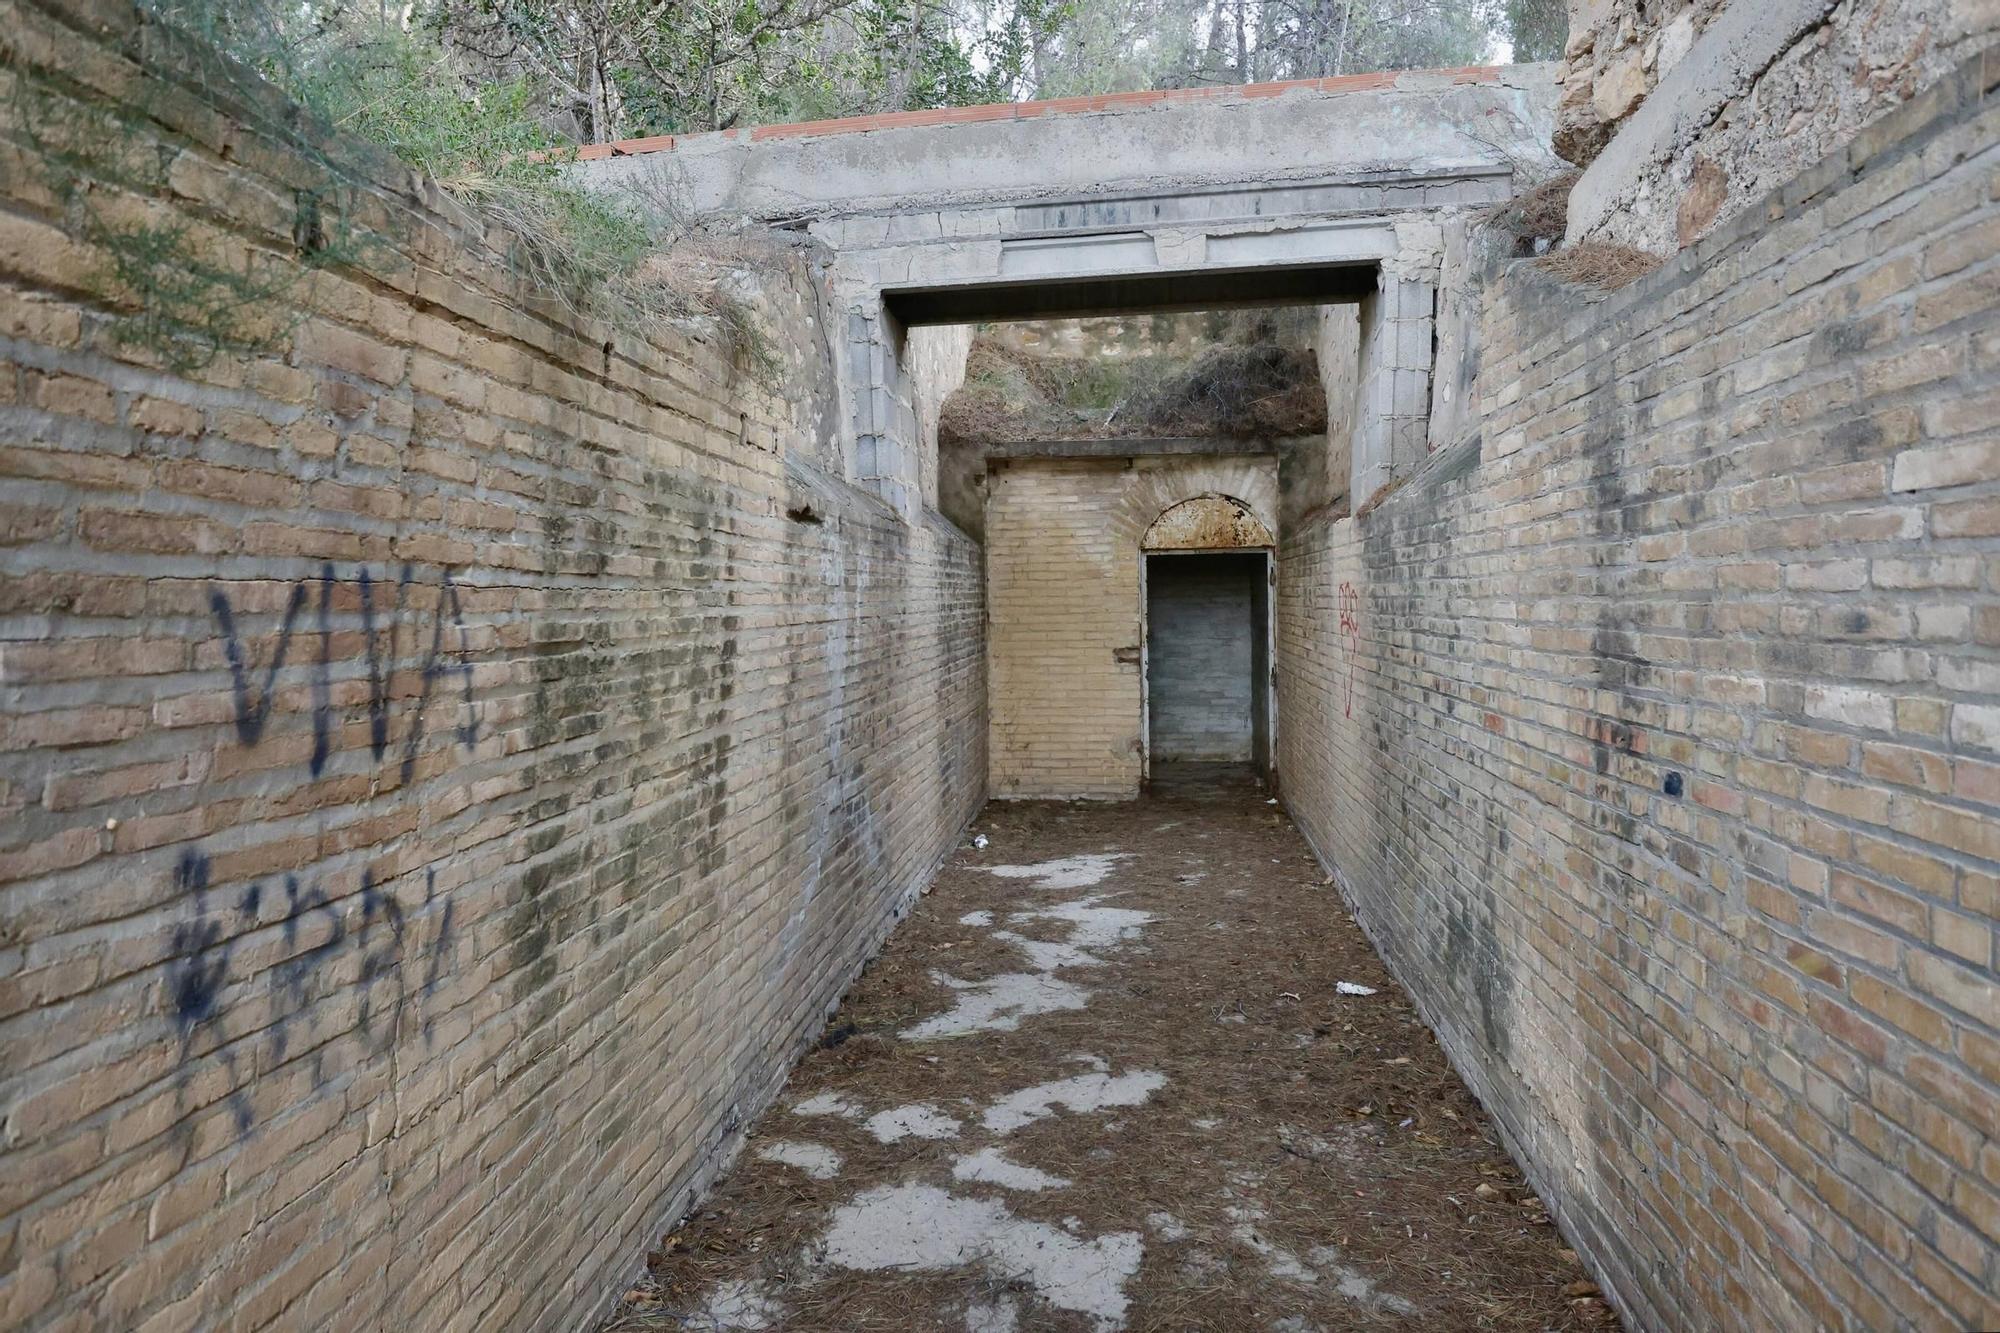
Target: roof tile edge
1060	106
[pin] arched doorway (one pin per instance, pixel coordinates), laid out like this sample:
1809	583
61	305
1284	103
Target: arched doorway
1208	697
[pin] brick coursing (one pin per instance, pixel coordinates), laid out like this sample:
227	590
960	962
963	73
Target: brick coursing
418	981
1652	732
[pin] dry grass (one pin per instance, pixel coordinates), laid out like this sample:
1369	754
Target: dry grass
1537	214
1336	1116
1232	390
1601	264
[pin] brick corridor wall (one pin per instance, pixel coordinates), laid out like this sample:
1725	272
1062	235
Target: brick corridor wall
1655	735
1063	597
440	787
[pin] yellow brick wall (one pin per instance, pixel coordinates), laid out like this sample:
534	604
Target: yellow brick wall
1063	605
452	755
1652	730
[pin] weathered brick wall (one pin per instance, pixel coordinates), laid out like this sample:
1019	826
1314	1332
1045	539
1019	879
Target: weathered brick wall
1063	598
1655	733
440	787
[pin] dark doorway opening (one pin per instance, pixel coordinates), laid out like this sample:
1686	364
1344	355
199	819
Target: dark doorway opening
1208	663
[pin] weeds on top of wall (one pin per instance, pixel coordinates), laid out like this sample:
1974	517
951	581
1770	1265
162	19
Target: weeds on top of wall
183	290
1538	218
1601	264
186	289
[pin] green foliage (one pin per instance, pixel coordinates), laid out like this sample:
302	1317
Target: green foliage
1539	28
489	148
490	97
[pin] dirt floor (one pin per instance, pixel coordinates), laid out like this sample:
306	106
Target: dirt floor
1105	1077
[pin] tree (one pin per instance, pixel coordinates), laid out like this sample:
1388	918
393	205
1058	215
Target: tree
1539	28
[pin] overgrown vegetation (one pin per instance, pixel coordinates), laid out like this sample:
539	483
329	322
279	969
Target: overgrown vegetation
1250	377
491	98
1537	217
591	71
485	142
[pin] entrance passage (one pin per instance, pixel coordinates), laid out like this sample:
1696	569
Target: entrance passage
1208	657
1106	1077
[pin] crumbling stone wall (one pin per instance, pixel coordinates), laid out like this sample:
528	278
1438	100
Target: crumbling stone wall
1714	103
1651	729
452	753
1064	595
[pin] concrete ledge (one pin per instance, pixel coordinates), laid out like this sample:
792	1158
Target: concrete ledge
1447	122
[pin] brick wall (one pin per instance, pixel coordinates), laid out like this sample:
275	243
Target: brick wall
1063	601
1653	732
440	786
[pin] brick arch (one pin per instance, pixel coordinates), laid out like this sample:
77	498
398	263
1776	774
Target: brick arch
1153	489
1206	522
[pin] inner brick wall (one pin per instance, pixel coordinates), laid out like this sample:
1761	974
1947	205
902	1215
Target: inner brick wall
1065	605
1651	731
418	981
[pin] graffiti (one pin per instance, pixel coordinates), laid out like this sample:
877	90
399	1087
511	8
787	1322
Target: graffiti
1350	629
357	944
320	934
197	974
201	955
382	648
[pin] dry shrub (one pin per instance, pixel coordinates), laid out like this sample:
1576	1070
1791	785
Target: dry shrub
1601	264
1262	389
702	277
1255	390
1540	214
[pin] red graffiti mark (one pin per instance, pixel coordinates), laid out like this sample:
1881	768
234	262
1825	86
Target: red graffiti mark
1350	627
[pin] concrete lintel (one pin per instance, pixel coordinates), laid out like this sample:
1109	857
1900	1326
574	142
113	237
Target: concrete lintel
1160	145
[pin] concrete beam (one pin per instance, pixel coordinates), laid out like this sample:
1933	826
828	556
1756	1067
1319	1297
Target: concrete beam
1089	150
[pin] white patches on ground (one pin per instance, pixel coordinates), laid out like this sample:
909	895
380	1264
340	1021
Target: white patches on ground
828	1103
1356	1286
921	1227
741	1304
1085	1092
1067	872
1281	1262
1092	926
1048	955
816	1160
992	1166
1321	1262
918	1120
997	1004
1167	1226
1000	1316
